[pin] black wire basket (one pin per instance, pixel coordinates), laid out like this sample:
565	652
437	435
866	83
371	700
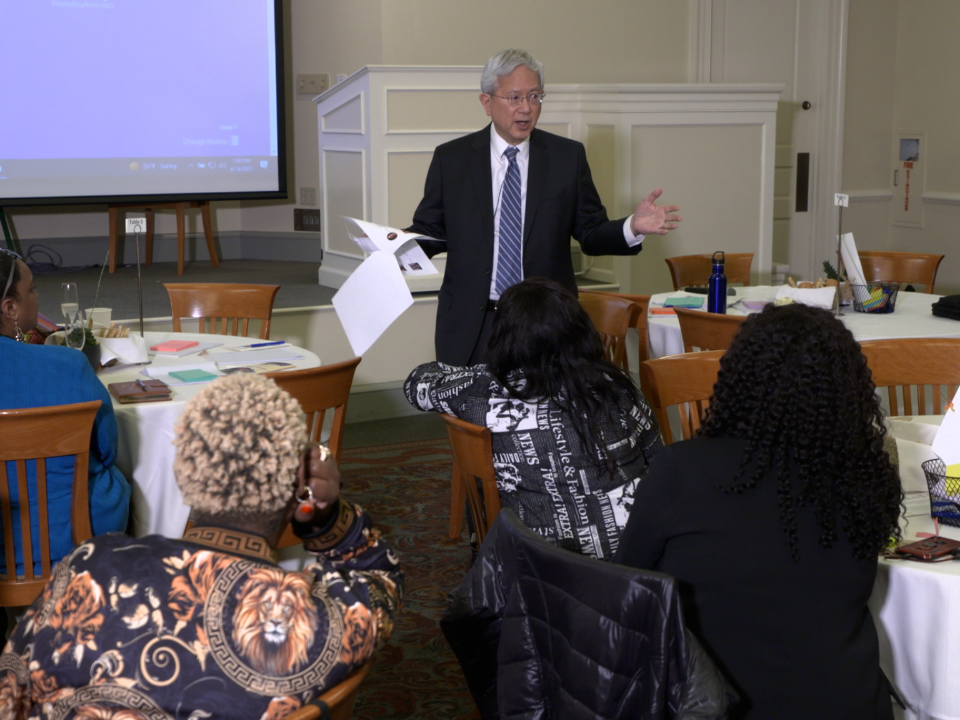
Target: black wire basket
944	492
875	297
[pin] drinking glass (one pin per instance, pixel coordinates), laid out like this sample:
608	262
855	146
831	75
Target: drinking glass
75	333
69	302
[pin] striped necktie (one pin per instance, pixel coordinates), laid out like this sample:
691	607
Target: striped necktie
510	257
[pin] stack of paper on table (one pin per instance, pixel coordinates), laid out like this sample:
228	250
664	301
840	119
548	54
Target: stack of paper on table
267	354
375	295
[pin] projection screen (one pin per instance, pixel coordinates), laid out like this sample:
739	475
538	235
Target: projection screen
141	100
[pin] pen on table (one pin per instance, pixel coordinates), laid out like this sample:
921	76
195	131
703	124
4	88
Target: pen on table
268	344
142	386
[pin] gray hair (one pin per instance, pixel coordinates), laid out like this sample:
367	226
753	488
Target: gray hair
504	63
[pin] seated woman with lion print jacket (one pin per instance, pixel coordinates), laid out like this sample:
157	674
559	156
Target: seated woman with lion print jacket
210	626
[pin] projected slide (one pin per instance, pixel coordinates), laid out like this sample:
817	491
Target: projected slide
109	98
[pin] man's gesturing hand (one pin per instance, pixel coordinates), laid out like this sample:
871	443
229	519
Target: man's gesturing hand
652	219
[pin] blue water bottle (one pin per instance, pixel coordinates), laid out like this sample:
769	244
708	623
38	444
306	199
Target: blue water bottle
717	286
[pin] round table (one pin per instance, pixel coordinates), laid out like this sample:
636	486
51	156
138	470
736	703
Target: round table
915	604
911	318
146	434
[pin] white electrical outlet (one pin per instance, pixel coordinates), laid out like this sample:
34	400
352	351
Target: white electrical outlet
841	200
136	225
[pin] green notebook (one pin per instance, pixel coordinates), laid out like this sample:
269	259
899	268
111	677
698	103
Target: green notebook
192	376
684	302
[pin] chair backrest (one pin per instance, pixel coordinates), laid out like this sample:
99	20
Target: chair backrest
911	364
612	317
707	331
37	434
318	390
543	632
472	461
901	267
688	270
639	318
339	699
234	305
685	381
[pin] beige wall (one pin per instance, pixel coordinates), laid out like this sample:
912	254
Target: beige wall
868	118
900	76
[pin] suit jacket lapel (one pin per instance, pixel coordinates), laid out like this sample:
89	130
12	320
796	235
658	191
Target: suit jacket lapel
483	182
536	176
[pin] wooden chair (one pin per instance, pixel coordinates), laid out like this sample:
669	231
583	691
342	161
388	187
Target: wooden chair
228	302
318	390
339	699
472	460
688	270
38	434
901	267
639	319
612	317
685	381
707	331
910	364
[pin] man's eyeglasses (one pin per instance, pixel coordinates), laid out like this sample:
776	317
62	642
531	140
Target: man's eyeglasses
517	100
13	269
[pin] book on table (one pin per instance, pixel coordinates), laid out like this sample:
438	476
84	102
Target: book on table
138	391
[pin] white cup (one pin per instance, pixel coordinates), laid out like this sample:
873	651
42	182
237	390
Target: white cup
101	316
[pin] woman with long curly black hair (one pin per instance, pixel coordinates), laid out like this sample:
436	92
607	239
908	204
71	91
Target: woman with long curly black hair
572	435
772	519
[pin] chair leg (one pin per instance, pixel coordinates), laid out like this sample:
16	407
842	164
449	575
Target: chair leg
208	233
181	236
458	499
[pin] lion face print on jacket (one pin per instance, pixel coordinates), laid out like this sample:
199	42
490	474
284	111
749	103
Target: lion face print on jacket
159	628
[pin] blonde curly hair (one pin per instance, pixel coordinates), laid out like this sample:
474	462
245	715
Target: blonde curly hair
238	446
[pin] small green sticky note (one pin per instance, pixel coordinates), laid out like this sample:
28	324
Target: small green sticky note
191	376
684	302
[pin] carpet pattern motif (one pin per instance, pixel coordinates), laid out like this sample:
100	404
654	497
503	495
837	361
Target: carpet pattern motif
406	487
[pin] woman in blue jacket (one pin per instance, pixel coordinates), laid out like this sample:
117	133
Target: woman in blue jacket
42	375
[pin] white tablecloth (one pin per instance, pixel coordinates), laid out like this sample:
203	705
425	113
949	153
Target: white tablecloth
917	605
146	436
911	318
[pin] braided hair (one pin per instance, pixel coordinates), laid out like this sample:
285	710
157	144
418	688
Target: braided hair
795	386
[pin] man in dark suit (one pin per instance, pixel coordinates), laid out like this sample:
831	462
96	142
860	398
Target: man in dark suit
505	202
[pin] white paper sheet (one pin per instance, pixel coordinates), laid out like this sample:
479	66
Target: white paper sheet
411	257
371	299
267	354
947	442
851	260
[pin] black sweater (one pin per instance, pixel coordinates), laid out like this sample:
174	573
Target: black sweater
794	637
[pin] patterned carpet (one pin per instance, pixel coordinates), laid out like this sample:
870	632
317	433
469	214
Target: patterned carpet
406	487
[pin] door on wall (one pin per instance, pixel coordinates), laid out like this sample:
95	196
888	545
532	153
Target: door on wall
798	43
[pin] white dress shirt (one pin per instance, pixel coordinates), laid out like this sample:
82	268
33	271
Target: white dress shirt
498	174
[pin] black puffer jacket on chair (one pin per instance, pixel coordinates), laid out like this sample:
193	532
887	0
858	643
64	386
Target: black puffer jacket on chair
543	633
